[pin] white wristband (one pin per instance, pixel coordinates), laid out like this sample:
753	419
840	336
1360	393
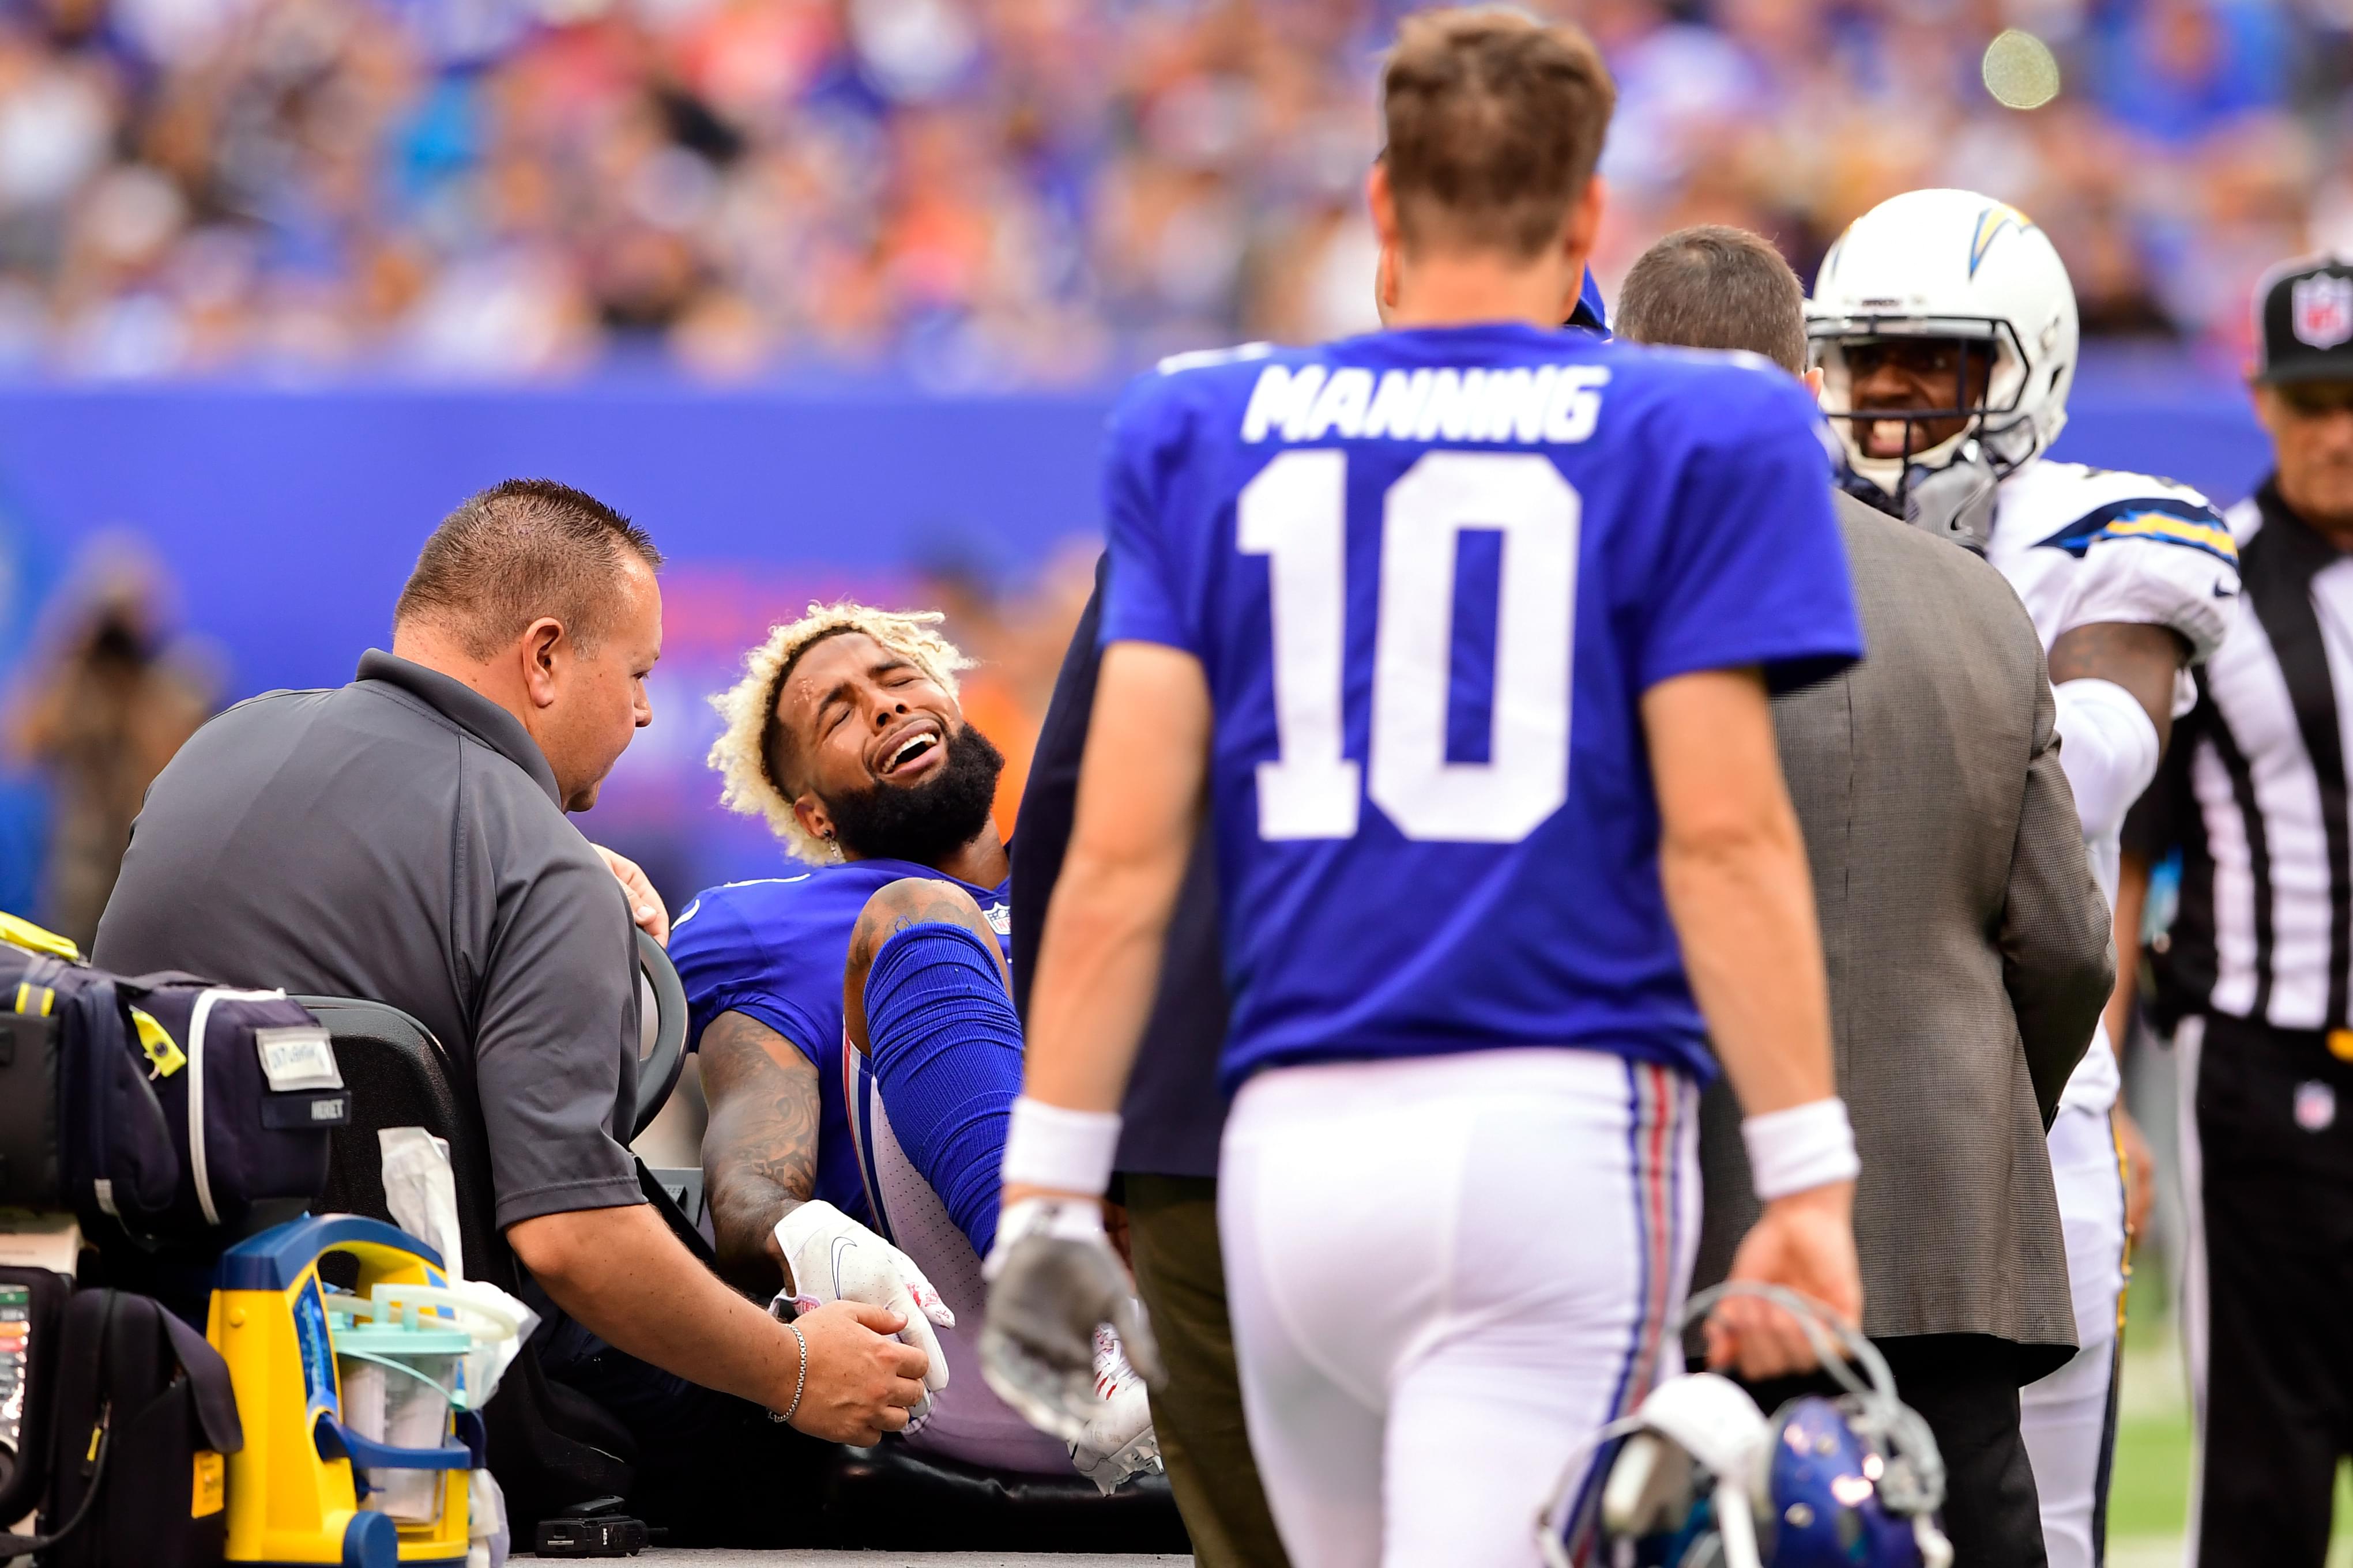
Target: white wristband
1808	1145
1060	1150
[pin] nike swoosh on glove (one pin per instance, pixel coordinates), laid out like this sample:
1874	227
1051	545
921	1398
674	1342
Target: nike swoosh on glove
1053	1279
834	1259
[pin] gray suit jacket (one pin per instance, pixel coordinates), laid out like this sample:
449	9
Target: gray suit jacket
1967	947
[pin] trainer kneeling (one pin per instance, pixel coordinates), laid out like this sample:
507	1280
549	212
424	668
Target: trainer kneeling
403	838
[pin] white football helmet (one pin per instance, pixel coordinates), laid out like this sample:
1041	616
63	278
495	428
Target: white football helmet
1950	266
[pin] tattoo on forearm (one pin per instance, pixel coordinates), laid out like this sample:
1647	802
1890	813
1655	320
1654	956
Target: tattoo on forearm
759	1151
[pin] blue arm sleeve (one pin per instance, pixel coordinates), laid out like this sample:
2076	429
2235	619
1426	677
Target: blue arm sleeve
946	1052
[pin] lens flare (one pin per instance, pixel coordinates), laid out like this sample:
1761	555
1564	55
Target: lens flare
2021	71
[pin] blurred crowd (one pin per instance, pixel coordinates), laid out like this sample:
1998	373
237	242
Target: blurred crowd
1018	193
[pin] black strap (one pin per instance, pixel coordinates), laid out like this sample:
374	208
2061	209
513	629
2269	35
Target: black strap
2276	571
19	1545
22	1545
209	1382
2236	768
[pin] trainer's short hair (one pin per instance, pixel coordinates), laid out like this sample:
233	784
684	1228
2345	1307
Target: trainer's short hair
516	552
1495	123
1716	287
750	755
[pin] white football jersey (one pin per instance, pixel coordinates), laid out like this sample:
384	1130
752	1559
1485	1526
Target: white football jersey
2084	545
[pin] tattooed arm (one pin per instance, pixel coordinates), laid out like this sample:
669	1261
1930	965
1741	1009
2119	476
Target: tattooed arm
759	1150
903	905
2141	657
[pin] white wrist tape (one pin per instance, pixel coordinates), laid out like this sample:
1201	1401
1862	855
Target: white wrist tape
1060	1150
1804	1146
2108	747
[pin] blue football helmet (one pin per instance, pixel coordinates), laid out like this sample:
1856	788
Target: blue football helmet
1703	1479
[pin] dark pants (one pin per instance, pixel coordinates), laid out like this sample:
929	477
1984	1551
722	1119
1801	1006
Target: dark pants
1172	1236
712	1469
1966	1387
2274	1113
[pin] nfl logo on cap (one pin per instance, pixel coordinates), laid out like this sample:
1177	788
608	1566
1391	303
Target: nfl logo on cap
2303	322
2320	309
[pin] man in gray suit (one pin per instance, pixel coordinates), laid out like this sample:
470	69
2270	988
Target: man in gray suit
1967	943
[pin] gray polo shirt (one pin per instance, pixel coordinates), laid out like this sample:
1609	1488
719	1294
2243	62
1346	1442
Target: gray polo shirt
401	838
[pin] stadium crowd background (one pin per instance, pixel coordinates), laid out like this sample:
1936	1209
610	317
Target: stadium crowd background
832	295
986	194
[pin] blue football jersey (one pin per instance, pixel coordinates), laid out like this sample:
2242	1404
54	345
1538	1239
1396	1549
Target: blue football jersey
774	949
1429	575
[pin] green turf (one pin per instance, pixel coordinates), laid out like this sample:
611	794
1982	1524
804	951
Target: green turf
2148	1490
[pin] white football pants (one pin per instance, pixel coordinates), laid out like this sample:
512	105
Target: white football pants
966	1421
2067	1418
1445	1274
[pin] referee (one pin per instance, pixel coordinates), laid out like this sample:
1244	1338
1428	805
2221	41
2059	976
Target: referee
2255	974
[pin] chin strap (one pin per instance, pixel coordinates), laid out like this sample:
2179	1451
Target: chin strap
1956	501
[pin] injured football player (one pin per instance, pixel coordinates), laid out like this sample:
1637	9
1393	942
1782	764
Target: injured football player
859	1048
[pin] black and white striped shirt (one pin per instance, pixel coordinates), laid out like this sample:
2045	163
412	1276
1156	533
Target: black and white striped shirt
2253	792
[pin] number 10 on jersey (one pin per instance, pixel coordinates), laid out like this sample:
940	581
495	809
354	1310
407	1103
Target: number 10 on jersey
1295	515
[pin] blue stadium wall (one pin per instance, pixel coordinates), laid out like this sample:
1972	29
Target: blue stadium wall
288	516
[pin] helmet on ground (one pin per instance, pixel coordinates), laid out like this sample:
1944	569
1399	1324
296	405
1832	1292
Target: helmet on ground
1952	284
1699	1479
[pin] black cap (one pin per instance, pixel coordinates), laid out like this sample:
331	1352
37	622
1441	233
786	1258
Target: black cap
2303	322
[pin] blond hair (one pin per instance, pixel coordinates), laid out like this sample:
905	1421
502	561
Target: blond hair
739	755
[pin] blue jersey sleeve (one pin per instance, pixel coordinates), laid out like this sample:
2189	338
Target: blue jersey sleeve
1142	600
1750	568
722	970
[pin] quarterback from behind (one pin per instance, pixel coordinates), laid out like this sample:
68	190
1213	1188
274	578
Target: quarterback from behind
1447	626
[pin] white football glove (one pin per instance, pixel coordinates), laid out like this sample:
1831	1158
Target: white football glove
833	1257
1053	1280
1119	1441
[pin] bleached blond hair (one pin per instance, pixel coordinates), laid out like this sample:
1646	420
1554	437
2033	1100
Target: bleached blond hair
749	706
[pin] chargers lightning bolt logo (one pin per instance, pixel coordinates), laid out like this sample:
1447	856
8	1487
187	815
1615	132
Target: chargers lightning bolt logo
1991	222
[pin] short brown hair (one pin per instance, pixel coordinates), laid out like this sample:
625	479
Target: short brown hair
514	552
1716	287
1494	124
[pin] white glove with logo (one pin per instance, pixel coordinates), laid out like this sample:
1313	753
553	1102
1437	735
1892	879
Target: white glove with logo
1118	1441
833	1257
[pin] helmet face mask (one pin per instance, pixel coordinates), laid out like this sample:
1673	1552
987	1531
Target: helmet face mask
1965	375
1973	275
1703	1479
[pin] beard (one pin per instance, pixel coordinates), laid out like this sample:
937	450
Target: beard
930	821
